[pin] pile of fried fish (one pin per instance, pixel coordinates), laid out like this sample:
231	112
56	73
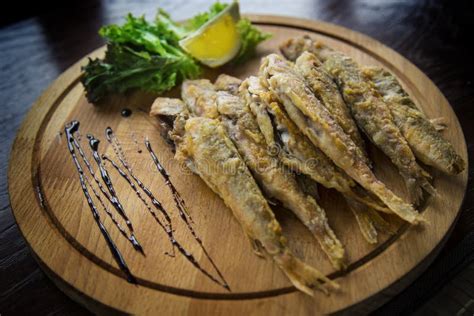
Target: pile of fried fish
273	136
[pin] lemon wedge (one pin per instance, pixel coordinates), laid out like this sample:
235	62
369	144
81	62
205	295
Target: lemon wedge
218	40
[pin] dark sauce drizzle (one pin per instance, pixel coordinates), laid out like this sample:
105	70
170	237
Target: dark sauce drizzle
70	129
94	145
119	152
135	141
184	215
179	201
137	191
169	232
182	209
132	238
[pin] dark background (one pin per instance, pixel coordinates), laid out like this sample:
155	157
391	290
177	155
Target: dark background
41	39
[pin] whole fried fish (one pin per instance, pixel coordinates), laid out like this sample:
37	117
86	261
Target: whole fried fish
421	134
203	145
276	181
299	154
315	121
311	68
374	117
296	150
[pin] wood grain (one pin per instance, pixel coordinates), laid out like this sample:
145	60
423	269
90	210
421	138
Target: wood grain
38	153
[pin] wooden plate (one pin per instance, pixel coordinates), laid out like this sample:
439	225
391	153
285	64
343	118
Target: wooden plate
54	218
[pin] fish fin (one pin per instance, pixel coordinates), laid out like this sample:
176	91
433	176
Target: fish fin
319	227
416	186
439	123
458	165
428	187
401	208
366	225
256	247
360	195
304	277
415	193
379	222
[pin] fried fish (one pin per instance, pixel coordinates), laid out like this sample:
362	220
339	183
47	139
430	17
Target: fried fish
421	134
275	180
311	68
203	145
315	121
374	117
299	154
296	150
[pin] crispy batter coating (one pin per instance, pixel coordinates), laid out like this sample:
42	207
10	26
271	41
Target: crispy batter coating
311	68
227	83
275	180
200	97
315	121
294	47
300	155
421	134
204	146
374	117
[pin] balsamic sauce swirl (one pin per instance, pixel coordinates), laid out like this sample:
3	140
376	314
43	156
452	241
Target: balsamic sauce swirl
170	234
70	129
182	209
132	238
180	204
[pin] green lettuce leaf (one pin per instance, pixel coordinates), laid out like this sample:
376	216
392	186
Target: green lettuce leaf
250	37
125	68
146	55
200	19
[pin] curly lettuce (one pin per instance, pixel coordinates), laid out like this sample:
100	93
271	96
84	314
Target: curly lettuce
147	56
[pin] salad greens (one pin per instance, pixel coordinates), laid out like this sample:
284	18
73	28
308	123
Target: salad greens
201	18
146	55
250	37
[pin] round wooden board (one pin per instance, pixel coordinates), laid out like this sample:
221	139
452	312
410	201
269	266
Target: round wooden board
54	218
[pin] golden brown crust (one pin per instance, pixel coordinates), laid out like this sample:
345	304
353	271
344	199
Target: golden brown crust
205	147
316	122
276	181
374	117
309	66
423	137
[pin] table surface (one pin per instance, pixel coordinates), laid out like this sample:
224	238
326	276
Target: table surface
35	49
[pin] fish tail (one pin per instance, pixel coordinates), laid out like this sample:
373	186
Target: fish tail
380	223
319	227
360	195
457	165
401	208
366	225
416	186
415	192
439	123
428	187
304	277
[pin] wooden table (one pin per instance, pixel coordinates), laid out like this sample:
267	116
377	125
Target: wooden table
434	35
